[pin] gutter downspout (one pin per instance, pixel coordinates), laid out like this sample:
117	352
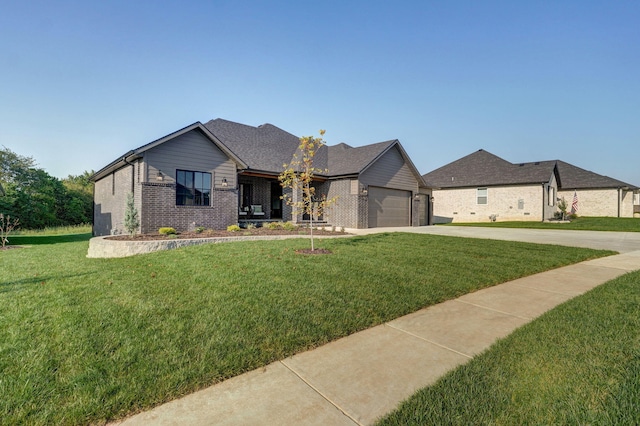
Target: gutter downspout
619	201
133	173
543	193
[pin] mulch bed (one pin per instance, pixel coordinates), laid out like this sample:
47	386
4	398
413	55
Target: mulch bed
223	233
316	251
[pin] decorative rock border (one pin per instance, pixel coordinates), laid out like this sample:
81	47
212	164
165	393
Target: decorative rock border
102	247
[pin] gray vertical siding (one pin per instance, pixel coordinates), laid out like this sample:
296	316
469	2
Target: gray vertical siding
390	171
190	151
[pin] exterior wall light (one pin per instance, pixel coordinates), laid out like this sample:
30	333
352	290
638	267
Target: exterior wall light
364	191
160	176
224	182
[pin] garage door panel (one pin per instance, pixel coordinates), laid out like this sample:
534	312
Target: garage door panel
389	207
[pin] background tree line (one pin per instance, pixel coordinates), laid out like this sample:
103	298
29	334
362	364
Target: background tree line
39	199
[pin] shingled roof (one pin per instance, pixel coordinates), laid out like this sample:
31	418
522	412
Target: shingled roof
346	160
482	168
267	148
572	177
264	148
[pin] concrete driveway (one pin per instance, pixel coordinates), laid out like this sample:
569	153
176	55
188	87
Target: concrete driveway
622	242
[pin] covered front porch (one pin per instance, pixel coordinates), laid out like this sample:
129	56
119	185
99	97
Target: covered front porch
260	199
260	202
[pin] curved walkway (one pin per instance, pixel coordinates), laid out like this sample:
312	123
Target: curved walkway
357	379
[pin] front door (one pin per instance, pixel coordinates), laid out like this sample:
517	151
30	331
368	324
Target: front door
276	200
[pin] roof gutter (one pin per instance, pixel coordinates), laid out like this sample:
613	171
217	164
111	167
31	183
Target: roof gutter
115	165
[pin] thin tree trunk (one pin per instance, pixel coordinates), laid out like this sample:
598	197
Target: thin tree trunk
310	215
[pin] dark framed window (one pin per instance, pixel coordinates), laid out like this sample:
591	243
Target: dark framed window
193	188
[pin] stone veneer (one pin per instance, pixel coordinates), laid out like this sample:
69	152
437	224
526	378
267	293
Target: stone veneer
102	247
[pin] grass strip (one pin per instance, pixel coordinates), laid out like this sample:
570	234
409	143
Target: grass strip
613	224
91	340
576	364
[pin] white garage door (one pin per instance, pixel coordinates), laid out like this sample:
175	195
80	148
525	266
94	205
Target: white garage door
389	207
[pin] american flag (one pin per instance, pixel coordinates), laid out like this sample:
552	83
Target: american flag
574	205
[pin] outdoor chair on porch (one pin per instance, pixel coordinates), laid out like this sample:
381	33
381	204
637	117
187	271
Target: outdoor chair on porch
243	212
256	211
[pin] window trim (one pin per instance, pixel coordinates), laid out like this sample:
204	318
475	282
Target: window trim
193	192
479	196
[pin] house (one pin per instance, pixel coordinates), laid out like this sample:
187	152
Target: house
222	173
481	187
598	195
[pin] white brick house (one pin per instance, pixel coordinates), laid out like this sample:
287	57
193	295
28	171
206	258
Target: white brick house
482	187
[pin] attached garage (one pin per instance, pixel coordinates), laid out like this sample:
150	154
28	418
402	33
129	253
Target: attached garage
389	207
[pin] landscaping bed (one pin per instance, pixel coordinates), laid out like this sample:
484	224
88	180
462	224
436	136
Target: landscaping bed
211	233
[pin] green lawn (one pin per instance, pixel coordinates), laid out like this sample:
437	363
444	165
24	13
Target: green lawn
88	340
577	364
617	224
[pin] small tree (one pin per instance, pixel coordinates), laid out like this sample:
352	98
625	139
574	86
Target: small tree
298	175
6	227
131	221
562	206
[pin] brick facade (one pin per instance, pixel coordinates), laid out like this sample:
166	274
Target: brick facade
110	195
159	209
601	202
516	203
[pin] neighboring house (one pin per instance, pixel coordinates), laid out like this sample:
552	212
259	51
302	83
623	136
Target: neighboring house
597	195
222	173
482	187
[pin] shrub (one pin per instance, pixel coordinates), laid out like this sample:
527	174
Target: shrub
131	221
288	226
251	226
199	229
167	231
233	228
273	225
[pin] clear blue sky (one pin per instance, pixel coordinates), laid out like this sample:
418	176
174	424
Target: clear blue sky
82	82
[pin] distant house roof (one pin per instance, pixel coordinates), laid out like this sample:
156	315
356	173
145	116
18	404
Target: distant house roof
482	168
573	177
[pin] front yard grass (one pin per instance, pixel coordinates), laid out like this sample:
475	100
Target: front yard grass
576	364
91	340
615	224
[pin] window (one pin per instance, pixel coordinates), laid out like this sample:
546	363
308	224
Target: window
193	188
552	196
481	196
636	199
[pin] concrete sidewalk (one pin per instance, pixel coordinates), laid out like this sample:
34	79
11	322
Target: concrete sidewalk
357	379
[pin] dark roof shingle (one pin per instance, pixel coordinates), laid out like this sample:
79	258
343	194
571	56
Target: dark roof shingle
482	168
